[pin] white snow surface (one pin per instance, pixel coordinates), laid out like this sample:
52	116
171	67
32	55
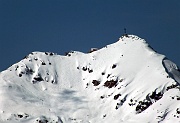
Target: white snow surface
124	82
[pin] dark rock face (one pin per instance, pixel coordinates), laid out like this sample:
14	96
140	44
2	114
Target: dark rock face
110	84
117	96
143	105
96	82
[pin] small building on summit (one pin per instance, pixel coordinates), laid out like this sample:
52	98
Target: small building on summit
92	50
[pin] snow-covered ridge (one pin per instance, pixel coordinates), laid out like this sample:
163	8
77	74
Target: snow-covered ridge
124	82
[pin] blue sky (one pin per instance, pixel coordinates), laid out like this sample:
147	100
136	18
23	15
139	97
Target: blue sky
63	25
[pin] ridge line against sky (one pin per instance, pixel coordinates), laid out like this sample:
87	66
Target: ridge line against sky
60	26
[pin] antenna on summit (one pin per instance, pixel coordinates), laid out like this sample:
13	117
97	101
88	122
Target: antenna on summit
125	33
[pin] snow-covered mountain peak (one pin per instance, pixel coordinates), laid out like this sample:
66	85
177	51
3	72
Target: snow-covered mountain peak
124	82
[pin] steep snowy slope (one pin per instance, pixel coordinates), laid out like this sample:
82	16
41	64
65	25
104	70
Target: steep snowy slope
125	82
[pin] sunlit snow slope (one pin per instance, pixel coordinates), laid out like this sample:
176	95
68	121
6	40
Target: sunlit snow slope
125	82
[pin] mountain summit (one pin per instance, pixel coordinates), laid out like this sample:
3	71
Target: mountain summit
124	82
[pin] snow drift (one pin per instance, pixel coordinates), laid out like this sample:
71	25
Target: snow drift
125	82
